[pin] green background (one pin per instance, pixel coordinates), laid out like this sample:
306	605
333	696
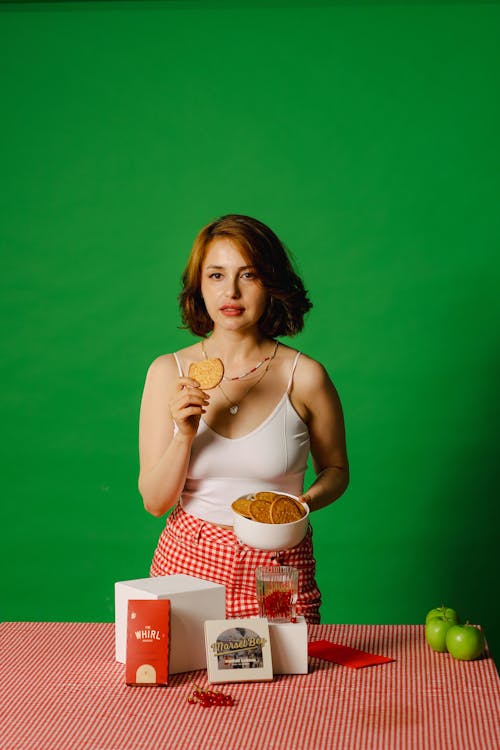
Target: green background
366	136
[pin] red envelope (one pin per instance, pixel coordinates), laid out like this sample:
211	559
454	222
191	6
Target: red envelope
345	655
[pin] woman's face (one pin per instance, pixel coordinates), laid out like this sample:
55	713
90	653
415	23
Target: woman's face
233	294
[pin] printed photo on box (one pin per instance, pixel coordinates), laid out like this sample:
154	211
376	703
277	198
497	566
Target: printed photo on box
238	650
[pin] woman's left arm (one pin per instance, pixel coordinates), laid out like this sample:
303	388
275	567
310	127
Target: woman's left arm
317	401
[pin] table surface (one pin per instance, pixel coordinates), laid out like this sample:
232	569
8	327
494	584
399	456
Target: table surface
62	688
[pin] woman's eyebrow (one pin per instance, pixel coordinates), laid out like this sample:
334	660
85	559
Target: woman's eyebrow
241	268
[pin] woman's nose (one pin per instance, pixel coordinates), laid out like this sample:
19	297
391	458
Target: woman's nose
232	288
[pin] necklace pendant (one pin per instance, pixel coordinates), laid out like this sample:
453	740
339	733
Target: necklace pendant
234	409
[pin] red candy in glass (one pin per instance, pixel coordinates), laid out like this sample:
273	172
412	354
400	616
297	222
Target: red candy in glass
277	590
278	604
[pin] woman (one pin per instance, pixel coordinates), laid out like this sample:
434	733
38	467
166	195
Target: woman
200	450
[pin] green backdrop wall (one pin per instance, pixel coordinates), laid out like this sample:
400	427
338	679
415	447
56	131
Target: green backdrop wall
366	135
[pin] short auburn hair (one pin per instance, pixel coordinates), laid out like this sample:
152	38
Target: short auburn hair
287	299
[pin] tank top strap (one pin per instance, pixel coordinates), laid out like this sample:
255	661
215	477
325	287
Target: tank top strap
179	367
294	365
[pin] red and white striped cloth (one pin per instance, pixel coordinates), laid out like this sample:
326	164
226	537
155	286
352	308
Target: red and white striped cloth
194	547
61	689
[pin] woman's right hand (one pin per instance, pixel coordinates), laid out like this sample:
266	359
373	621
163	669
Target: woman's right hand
187	405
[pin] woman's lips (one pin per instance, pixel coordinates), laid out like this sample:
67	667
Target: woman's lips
231	310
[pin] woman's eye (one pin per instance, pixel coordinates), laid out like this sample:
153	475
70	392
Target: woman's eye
249	275
215	275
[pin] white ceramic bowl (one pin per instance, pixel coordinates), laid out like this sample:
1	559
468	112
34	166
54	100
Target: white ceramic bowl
270	536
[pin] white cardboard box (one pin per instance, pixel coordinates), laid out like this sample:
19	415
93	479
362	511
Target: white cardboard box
192	601
289	647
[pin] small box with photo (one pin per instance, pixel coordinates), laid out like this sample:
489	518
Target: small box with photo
238	650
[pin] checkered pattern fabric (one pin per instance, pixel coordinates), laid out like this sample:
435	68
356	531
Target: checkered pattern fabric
63	690
195	547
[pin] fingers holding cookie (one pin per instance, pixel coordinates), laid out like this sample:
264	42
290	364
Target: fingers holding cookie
190	400
188	404
190	384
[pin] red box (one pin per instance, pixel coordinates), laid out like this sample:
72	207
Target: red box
148	642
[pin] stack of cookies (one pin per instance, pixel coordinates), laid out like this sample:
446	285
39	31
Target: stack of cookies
269	507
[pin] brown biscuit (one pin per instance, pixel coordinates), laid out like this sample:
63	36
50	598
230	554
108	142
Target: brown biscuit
269	507
266	497
208	373
260	511
285	510
242	506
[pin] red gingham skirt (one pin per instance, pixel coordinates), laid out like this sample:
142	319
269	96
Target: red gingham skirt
195	547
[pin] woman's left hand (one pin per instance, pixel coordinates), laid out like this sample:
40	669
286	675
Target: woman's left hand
306	499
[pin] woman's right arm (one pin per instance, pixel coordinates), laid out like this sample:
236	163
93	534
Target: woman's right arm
164	456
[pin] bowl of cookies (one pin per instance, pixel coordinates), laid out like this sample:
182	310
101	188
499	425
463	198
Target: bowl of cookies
270	520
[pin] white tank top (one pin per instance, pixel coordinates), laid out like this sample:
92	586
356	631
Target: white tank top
273	456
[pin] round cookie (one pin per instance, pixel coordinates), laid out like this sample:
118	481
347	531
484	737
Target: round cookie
260	511
266	497
285	510
208	373
242	506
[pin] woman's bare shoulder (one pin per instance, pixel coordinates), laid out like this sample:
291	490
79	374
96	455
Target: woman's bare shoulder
310	371
166	363
160	377
313	393
162	365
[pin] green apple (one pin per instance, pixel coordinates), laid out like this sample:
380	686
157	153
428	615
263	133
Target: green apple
436	631
443	613
465	642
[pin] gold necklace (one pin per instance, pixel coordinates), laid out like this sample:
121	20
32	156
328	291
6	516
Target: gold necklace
234	406
243	374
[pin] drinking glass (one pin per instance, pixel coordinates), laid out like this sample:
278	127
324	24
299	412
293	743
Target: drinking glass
277	591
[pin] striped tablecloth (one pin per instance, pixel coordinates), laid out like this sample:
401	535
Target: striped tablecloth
62	688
